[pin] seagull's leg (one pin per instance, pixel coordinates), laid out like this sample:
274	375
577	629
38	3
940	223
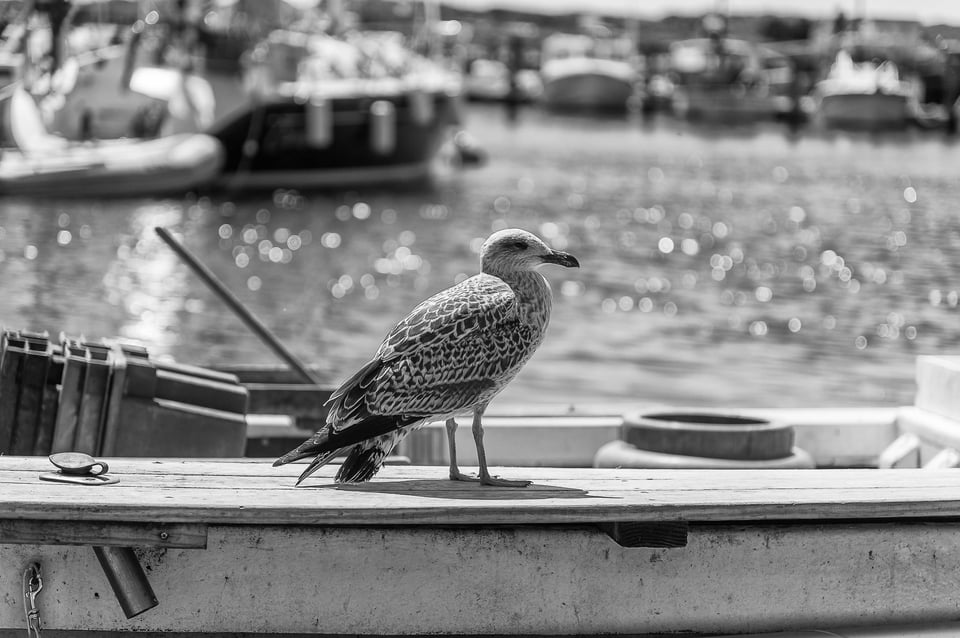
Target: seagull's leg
485	478
455	473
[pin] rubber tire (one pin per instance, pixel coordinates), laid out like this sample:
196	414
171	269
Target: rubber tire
709	434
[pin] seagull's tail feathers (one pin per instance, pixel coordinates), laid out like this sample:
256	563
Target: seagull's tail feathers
370	439
317	444
316	464
365	459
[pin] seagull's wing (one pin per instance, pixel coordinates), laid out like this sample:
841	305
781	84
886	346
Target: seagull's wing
431	360
476	304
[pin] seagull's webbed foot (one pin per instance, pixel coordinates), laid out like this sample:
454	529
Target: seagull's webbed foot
457	475
486	479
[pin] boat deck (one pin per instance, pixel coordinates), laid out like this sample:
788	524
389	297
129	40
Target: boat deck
234	546
253	492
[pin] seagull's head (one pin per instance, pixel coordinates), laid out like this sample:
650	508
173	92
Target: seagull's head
513	249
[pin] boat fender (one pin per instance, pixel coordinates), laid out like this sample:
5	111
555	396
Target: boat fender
319	122
383	127
421	107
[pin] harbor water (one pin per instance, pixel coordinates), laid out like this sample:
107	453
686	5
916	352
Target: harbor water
744	267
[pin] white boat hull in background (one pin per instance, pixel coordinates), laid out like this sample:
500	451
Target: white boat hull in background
587	84
865	110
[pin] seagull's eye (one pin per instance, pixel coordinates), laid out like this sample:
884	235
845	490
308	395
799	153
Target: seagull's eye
520	245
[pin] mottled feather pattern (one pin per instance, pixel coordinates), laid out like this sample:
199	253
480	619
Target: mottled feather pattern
459	348
470	306
474	304
453	353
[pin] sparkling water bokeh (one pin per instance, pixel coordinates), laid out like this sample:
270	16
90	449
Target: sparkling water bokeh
748	267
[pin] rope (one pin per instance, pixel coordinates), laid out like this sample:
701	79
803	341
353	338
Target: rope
31	578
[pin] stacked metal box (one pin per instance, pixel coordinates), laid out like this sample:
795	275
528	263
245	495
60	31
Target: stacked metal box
109	398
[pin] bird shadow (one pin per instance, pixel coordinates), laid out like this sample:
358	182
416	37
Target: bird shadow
461	490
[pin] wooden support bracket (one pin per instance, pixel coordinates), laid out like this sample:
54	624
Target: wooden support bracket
96	533
633	534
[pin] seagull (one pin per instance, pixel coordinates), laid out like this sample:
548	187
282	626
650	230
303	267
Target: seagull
451	355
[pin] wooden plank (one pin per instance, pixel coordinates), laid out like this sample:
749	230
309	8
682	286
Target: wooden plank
696	480
254	476
256	493
511	581
28	532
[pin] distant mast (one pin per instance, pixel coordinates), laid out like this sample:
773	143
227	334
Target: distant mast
431	18
337	15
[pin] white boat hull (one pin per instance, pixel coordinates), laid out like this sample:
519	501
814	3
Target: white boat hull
865	110
48	164
865	95
725	103
129	167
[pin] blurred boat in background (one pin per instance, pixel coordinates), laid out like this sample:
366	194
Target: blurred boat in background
720	79
323	101
322	109
363	92
42	163
865	95
489	81
109	93
75	122
586	72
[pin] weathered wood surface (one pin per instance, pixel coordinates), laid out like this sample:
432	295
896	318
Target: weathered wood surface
47	532
254	492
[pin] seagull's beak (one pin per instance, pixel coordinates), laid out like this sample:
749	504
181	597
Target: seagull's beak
561	259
